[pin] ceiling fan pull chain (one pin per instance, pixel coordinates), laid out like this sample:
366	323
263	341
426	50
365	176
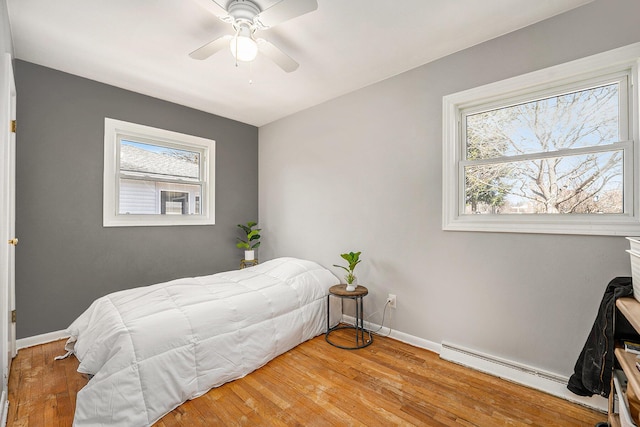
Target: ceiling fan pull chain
236	45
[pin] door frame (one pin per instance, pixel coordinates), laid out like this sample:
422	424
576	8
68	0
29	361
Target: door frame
7	228
12	205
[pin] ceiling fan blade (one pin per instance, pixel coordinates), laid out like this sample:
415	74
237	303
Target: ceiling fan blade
283	11
281	59
213	7
210	48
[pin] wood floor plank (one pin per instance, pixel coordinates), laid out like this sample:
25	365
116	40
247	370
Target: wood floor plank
364	396
315	384
13	384
296	396
261	406
64	408
185	416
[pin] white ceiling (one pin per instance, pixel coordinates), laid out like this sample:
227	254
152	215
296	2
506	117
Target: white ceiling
143	46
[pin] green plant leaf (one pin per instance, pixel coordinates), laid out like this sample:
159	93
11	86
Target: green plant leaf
342	267
353	258
252	236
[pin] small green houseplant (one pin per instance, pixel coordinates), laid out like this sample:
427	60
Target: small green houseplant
251	241
353	258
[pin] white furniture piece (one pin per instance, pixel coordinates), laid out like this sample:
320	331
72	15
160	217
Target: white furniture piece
629	307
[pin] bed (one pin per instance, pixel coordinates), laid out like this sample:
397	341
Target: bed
149	349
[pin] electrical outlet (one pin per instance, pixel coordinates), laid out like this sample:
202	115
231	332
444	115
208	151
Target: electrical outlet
391	299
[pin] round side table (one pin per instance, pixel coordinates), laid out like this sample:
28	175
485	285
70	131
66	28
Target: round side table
340	291
248	263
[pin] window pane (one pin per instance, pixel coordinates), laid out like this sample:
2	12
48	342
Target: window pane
157	160
580	184
583	118
143	197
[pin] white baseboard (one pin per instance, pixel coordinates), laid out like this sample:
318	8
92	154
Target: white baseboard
41	339
4	408
400	336
538	379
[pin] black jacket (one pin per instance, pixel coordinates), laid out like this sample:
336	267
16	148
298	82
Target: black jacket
592	373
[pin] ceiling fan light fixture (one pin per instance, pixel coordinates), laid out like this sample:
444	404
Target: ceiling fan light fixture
243	48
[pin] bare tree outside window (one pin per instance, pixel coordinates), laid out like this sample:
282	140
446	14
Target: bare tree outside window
555	155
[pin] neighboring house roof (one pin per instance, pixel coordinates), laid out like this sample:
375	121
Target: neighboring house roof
135	159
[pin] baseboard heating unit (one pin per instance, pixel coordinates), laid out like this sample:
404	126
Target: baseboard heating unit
538	379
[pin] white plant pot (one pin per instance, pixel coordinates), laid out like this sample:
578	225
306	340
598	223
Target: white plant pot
351	287
249	255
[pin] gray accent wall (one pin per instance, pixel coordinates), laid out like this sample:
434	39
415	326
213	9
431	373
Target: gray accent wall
66	258
364	172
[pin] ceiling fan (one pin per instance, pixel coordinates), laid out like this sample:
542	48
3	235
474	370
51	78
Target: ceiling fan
247	18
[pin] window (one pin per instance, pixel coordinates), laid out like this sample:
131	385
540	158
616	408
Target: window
156	177
554	151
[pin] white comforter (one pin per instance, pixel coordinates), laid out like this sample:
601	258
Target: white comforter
152	348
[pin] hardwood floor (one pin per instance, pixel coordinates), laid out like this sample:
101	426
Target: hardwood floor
315	384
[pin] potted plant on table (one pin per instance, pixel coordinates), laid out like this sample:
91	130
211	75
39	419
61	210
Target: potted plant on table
353	258
252	240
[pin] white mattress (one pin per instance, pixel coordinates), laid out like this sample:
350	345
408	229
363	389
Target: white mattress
150	349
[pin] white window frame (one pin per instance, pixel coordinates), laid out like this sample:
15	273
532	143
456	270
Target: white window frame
504	93
114	130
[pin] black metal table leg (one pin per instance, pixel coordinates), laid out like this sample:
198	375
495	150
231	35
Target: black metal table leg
358	296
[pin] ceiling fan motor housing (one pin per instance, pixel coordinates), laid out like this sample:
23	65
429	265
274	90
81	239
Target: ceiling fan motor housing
243	11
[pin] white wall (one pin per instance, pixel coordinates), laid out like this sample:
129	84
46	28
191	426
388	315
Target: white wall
363	172
6	44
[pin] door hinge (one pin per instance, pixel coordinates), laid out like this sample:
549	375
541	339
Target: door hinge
13	126
13	316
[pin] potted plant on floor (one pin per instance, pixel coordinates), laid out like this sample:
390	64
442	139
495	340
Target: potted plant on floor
353	258
252	240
